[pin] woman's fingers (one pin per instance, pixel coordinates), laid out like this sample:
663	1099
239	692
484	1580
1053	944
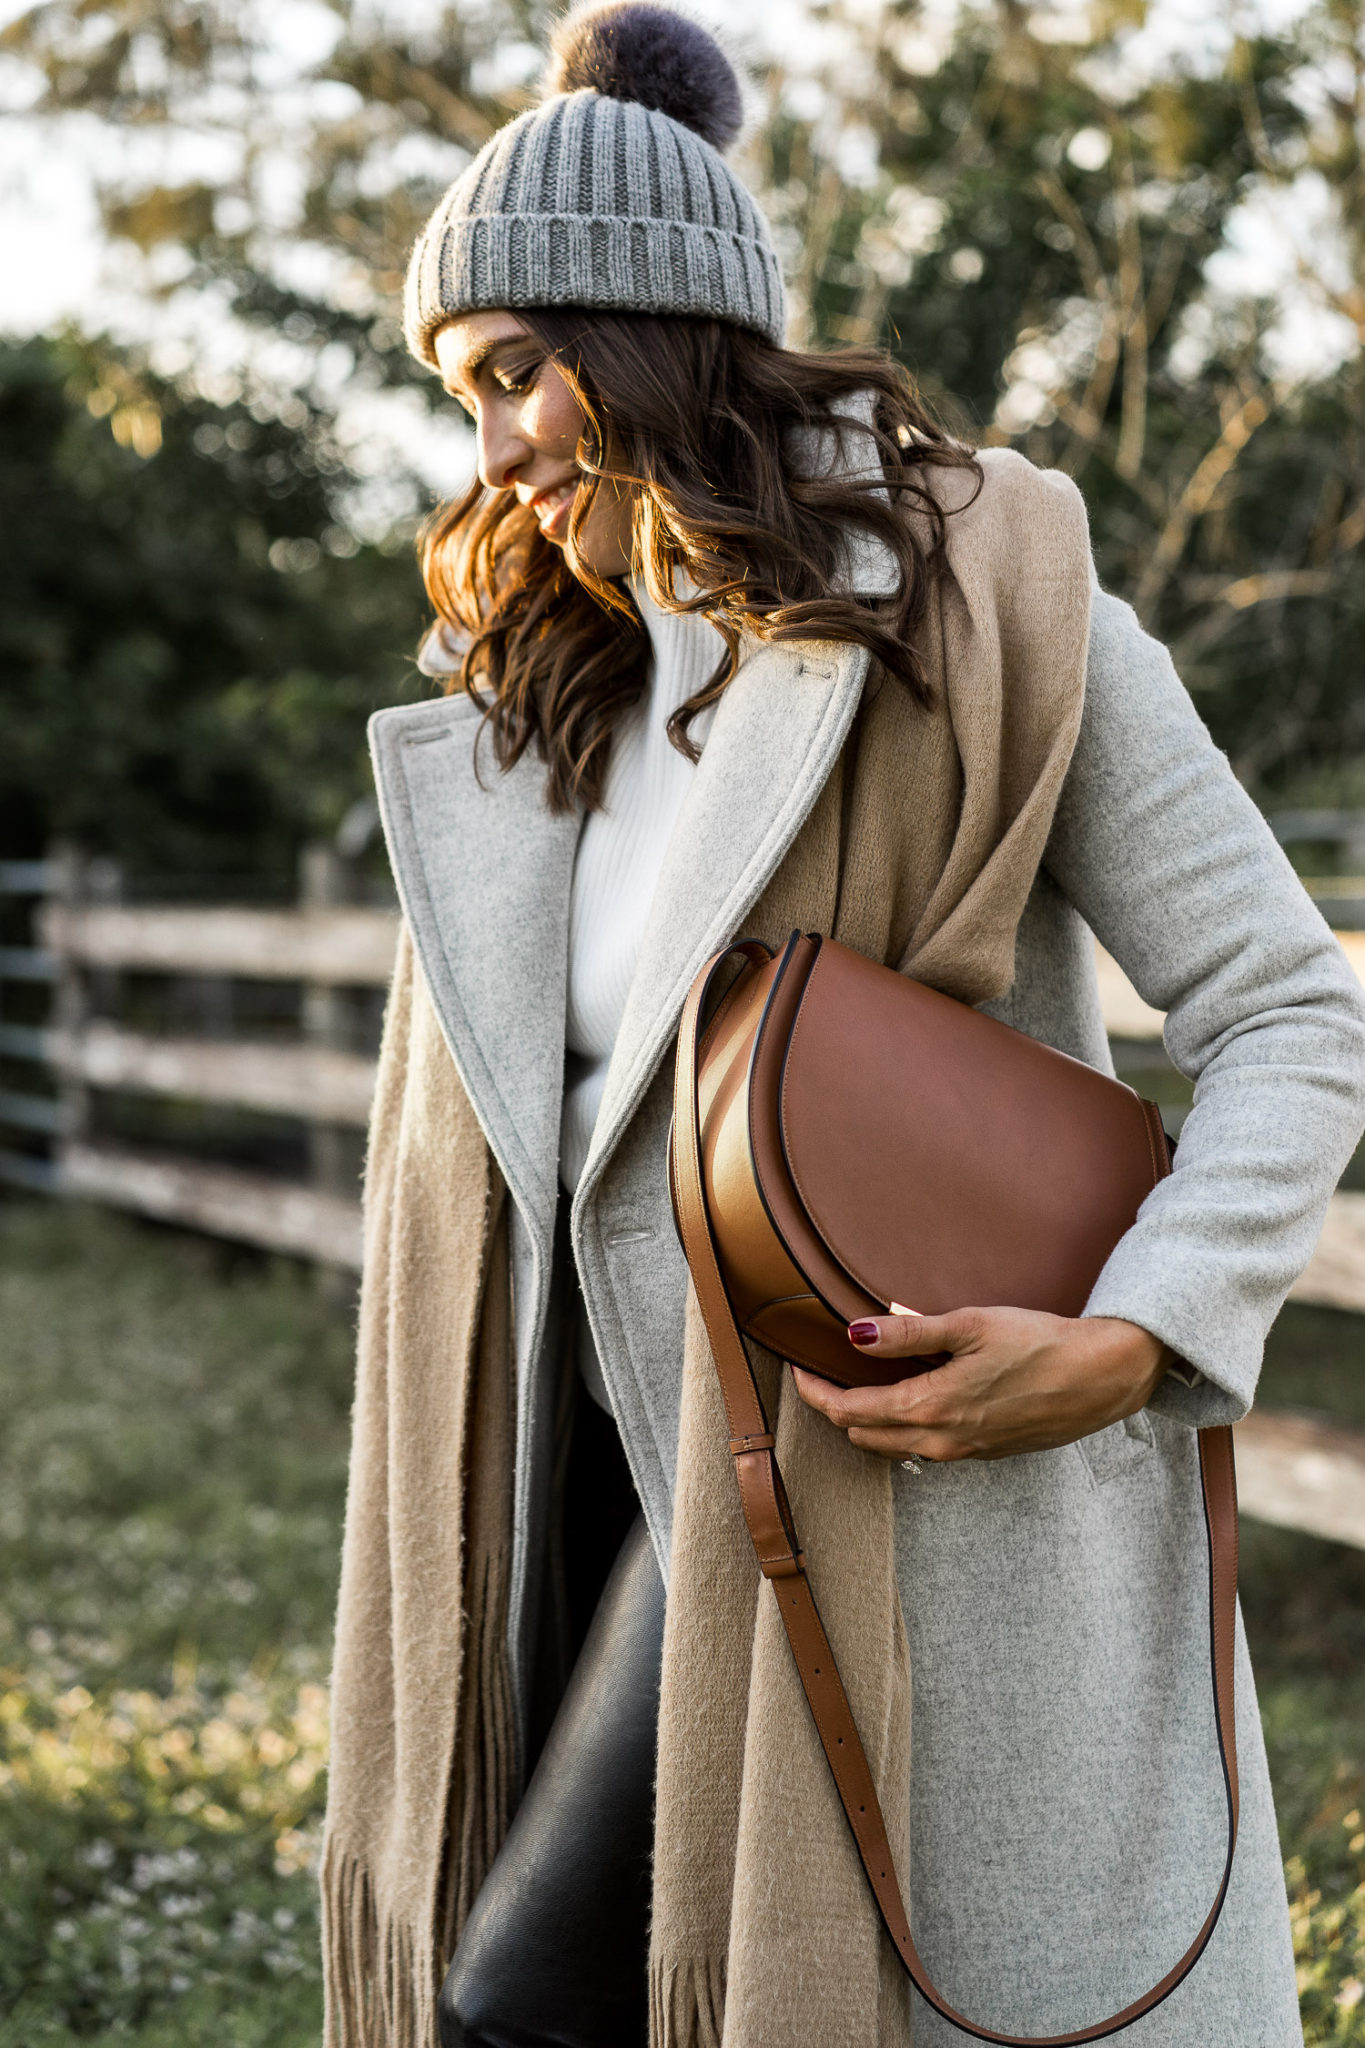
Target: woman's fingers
916	1336
866	1407
907	1400
936	1447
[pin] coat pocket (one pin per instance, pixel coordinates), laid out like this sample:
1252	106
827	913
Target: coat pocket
1119	1450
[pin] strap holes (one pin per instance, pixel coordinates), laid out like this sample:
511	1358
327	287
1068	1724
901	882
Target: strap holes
841	1742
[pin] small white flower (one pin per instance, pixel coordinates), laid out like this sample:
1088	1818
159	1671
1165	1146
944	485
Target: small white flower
179	1906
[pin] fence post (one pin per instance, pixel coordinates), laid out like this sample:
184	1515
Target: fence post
77	881
326	879
22	1109
70	1000
1353	844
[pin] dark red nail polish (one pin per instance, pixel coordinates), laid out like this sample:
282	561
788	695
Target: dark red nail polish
863	1333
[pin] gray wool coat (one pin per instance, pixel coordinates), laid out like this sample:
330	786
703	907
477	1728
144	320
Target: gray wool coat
1067	1826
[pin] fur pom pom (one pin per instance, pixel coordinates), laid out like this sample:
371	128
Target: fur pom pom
642	51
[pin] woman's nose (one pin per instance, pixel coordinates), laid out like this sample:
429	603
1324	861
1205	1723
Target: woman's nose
502	452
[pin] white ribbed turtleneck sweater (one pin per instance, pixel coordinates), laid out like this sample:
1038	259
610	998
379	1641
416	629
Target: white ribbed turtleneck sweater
620	853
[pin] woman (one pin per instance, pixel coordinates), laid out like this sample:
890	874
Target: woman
737	640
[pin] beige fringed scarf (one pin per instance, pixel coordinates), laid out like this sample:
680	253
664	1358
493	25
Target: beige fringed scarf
422	1759
920	852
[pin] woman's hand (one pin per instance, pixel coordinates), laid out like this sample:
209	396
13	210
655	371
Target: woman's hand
1018	1380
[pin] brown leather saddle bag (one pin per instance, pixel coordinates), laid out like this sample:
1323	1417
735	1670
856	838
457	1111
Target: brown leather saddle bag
843	1139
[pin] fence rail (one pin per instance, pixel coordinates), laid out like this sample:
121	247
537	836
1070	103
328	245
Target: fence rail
336	947
1301	1473
279	1215
86	938
1127	1016
309	1081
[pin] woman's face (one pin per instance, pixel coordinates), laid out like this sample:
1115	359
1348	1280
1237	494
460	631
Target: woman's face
529	425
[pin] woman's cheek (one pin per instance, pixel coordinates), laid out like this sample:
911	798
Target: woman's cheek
553	419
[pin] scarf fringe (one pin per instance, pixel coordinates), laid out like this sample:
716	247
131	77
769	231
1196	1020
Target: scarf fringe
375	1995
686	2003
482	1789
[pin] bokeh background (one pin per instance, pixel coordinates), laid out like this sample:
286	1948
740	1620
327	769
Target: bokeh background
1126	238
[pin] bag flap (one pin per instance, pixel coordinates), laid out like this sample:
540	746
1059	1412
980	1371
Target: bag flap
948	1161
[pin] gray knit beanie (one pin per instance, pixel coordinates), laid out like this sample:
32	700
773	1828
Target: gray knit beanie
612	193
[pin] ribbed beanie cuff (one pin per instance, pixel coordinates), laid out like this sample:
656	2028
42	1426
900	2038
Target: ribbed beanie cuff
640	266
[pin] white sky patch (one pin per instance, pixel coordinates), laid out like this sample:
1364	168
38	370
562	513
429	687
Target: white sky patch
303	33
1089	149
1285	243
1060	24
512	67
1195	35
55	256
391	434
406	159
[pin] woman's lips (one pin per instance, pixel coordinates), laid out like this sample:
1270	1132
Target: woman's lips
552	509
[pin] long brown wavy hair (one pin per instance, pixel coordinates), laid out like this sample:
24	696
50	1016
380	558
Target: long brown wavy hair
706	423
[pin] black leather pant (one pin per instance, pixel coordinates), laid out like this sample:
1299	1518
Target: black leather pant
556	1948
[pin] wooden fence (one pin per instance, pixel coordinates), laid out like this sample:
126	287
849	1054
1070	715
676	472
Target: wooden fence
322	946
1293	1470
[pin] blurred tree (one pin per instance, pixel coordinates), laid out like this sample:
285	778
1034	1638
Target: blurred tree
1063	232
1032	226
190	640
194	623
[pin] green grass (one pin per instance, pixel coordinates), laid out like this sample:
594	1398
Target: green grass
173	1428
173	1431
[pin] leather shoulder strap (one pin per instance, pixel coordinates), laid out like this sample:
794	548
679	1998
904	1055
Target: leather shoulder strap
768	1515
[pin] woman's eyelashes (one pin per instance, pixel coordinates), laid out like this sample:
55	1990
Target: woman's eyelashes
517	377
512	380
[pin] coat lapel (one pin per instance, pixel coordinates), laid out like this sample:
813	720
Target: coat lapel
777	733
483	869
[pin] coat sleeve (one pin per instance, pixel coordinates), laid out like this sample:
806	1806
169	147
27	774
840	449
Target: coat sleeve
1177	873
